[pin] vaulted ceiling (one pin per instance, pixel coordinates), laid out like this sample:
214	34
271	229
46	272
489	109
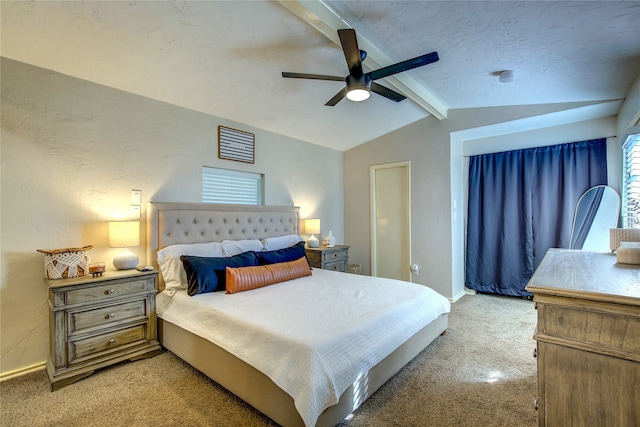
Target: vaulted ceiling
225	58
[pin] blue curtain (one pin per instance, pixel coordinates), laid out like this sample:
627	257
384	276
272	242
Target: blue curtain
521	203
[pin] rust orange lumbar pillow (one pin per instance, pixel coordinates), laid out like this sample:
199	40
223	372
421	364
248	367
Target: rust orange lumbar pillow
246	278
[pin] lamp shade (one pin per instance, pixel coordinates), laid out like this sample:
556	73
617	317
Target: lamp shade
312	226
124	234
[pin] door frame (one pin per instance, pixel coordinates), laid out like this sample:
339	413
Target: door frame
372	212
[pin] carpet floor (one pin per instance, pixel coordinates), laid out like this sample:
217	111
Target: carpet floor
481	373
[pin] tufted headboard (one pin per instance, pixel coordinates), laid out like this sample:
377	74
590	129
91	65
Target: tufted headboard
173	223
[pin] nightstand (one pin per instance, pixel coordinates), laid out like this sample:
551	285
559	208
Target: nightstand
335	258
98	321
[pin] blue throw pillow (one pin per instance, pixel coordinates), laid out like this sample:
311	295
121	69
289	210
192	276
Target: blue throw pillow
207	274
289	254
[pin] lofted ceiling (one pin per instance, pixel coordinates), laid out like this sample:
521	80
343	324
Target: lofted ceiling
225	58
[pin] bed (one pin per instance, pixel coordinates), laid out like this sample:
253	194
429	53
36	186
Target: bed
170	224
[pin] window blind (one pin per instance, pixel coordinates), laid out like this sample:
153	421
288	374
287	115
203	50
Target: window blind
233	187
631	180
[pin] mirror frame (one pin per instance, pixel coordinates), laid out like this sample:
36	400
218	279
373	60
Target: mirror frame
579	213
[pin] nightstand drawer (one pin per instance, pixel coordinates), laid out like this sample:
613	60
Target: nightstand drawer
335	258
106	292
339	265
330	256
97	346
84	321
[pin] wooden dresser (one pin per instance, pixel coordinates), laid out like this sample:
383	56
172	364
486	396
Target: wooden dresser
588	339
335	258
98	321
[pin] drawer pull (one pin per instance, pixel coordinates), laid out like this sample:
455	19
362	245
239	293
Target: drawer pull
535	353
110	316
536	404
112	341
535	305
109	291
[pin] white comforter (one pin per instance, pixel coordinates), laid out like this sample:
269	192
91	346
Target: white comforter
312	336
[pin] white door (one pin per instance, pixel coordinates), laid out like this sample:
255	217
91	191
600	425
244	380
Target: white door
391	221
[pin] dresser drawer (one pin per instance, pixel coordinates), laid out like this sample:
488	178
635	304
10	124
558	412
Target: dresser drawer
85	321
602	328
83	349
108	291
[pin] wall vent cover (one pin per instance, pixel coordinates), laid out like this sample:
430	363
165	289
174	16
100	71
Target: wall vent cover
236	145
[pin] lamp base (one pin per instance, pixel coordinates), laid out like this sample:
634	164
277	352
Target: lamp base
312	242
126	260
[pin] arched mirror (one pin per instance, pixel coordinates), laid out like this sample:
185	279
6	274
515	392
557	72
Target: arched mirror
596	212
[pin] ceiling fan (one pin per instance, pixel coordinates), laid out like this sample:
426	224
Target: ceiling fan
358	83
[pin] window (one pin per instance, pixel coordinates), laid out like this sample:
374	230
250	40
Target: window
227	186
631	180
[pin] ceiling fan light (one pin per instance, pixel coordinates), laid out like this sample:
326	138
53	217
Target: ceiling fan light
358	94
358	88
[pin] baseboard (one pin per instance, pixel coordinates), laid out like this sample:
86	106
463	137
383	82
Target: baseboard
22	371
457	297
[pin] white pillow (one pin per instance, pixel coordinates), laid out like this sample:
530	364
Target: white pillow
235	247
281	242
171	267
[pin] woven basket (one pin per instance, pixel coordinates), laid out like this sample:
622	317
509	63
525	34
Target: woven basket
618	235
354	268
66	263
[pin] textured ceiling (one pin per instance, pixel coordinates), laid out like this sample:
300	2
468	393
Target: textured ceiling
225	58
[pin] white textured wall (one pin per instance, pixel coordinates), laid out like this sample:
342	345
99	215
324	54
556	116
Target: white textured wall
72	151
435	149
630	112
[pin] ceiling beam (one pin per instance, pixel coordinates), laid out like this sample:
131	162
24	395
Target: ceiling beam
319	16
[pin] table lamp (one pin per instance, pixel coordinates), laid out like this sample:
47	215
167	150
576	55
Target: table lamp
124	234
312	226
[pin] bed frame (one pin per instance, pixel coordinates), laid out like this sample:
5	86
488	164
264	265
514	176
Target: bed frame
173	223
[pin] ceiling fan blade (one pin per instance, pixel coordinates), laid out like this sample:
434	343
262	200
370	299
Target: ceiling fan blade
333	101
386	92
312	76
404	66
351	51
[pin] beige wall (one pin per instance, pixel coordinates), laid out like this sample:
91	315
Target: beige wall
71	153
436	151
